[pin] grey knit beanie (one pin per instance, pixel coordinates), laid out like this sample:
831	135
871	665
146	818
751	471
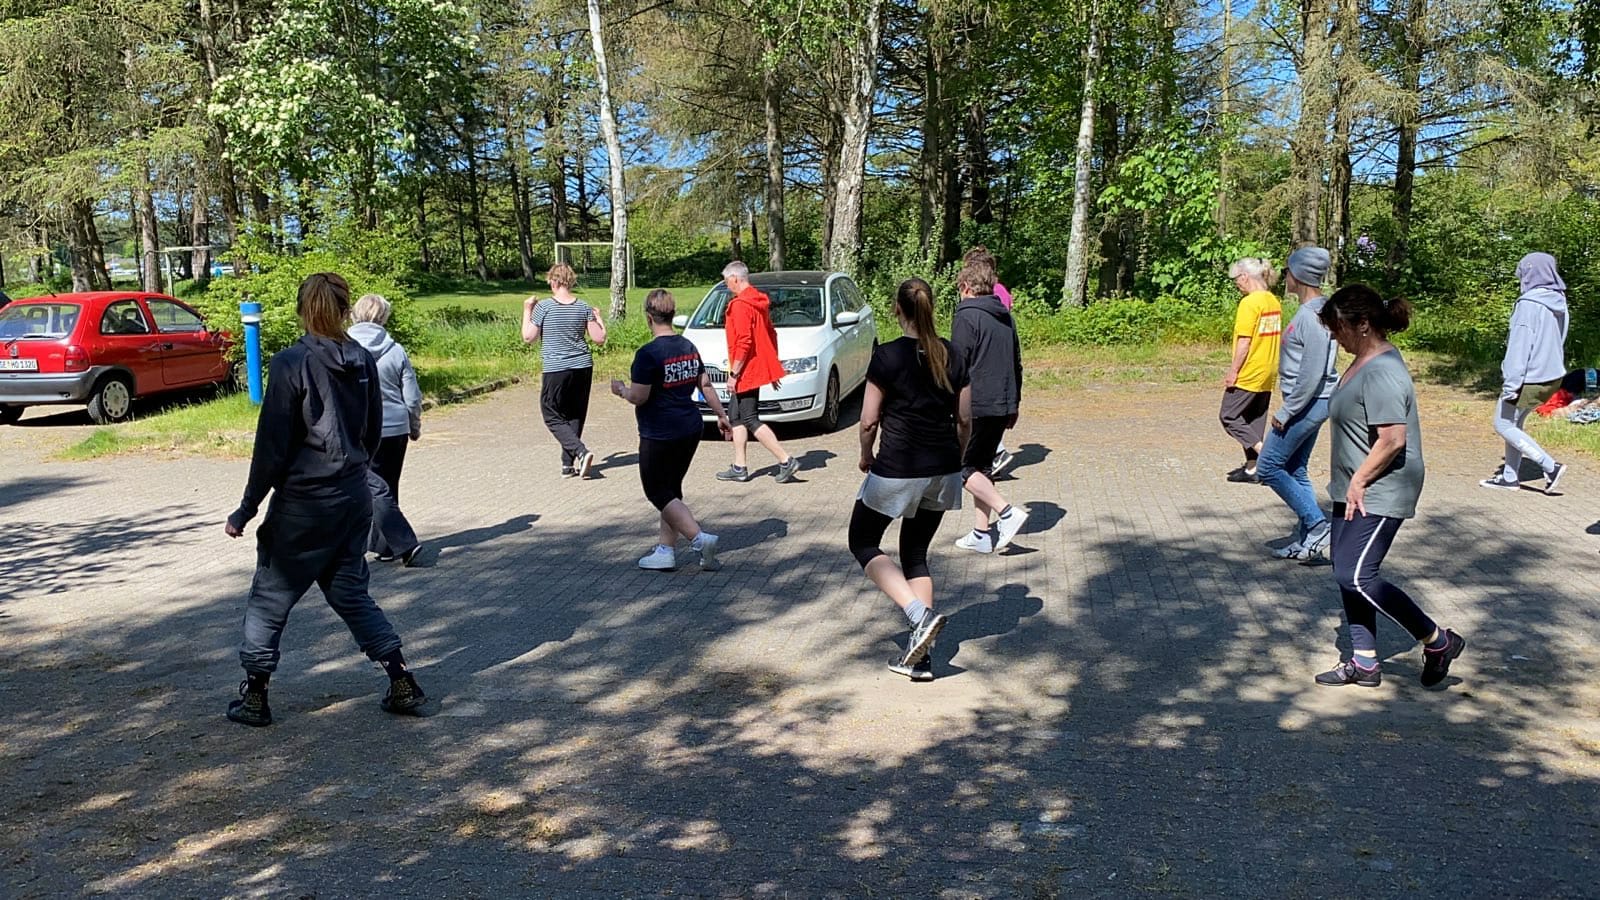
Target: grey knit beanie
1309	265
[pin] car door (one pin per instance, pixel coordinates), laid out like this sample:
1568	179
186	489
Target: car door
191	355
127	340
856	345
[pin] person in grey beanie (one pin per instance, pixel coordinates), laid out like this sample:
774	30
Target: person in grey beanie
1306	375
1534	365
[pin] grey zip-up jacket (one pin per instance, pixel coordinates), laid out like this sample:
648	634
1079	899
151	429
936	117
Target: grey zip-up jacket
402	397
1306	357
1536	349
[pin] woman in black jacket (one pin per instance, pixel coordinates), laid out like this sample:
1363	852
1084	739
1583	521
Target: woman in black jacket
321	421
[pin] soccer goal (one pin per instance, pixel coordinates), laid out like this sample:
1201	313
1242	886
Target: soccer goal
592	261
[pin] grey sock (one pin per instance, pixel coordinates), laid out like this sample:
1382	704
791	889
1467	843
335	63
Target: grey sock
914	611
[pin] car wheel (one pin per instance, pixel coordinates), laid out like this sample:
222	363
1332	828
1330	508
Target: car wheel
237	380
10	414
112	401
830	404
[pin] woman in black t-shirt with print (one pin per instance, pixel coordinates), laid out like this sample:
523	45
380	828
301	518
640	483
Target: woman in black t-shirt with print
909	415
666	373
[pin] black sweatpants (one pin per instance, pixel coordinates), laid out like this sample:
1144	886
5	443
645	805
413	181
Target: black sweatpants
1359	547
300	544
391	532
868	526
564	400
662	465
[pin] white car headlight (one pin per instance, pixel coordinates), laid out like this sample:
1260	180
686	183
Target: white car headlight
797	366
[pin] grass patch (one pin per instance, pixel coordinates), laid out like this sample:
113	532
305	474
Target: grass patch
1559	434
222	427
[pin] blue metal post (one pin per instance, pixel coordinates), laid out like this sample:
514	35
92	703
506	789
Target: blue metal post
250	314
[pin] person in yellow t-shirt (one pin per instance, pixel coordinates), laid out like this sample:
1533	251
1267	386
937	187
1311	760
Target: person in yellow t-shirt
1247	389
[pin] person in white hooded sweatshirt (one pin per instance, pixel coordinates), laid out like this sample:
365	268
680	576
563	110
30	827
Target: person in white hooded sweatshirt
392	535
1533	368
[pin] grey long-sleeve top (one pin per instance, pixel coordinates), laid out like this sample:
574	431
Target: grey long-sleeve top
1306	358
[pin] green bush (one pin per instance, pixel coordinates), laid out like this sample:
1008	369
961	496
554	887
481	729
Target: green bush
276	287
1122	322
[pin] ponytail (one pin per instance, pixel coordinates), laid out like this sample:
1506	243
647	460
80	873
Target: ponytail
915	300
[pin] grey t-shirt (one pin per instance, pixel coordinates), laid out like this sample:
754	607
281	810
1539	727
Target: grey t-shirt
1379	392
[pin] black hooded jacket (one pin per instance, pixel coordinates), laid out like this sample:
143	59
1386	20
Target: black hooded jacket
321	421
984	338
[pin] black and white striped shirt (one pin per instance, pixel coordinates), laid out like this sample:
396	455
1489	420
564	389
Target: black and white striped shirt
563	334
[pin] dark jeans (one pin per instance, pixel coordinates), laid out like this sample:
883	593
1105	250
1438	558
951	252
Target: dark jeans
301	544
1359	547
391	532
564	400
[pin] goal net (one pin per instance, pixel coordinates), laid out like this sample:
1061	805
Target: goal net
592	261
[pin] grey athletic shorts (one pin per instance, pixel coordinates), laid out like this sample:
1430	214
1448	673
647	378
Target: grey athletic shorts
902	497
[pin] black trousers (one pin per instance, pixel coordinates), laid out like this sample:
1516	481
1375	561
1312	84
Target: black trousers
564	400
391	532
867	527
300	544
1359	547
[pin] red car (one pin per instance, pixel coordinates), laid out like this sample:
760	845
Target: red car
103	349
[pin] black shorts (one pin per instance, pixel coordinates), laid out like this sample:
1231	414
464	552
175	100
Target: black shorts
987	432
662	465
742	410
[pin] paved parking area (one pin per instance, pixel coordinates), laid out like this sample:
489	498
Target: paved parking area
1124	704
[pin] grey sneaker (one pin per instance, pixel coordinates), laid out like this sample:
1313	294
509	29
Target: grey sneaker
1349	673
734	473
786	471
922	638
920	671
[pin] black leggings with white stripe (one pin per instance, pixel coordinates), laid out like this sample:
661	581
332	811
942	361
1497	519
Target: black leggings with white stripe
1359	547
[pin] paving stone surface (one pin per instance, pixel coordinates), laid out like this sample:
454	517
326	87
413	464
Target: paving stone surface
1124	703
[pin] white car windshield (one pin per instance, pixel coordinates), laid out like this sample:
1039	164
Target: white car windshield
792	307
37	320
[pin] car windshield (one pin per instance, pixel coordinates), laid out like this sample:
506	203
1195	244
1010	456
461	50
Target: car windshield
37	320
799	306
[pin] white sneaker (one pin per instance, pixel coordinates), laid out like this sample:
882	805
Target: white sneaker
582	465
974	541
1007	526
660	559
706	543
1317	540
1291	550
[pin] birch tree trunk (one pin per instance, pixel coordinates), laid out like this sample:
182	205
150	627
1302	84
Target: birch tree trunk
861	67
619	192
1072	291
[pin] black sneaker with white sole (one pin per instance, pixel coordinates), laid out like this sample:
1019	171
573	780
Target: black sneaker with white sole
919	671
1553	478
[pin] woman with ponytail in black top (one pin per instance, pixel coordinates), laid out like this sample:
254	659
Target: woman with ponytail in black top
912	456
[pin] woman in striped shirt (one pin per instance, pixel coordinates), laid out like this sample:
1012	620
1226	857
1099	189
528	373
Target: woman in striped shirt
565	325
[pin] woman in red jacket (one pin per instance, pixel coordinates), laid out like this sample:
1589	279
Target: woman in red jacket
752	362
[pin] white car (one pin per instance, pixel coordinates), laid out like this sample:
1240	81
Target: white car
826	333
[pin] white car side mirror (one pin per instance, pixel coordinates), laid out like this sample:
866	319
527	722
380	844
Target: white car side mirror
846	318
680	321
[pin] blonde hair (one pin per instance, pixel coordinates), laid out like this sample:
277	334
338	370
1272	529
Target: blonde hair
561	276
324	305
660	307
1256	268
372	308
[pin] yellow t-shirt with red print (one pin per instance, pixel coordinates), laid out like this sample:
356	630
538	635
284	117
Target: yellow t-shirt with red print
1260	318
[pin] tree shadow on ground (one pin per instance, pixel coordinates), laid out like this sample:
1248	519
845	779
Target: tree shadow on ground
1143	723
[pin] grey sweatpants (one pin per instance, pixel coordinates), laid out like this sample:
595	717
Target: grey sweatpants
1508	419
301	544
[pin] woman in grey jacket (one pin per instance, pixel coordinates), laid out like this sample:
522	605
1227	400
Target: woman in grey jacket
392	536
1534	365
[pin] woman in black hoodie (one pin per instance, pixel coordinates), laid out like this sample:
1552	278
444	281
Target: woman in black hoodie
321	421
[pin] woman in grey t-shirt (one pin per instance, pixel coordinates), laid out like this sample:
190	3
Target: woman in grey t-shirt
1377	477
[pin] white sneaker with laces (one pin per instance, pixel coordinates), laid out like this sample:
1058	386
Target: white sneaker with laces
661	559
1007	526
974	541
706	543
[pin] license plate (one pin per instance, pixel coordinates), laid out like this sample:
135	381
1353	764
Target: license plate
19	365
700	396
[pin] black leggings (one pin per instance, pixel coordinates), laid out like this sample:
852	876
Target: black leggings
662	465
867	527
1359	547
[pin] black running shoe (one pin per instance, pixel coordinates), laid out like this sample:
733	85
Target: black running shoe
1349	673
404	696
251	708
1553	478
1240	476
1436	663
920	671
